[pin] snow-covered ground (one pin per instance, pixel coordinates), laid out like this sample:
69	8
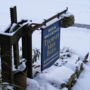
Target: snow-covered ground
77	39
84	80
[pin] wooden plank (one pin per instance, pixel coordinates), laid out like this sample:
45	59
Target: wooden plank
6	62
16	54
4	38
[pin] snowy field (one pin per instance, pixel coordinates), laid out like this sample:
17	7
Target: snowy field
77	39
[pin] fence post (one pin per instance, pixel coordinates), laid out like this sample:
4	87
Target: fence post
6	62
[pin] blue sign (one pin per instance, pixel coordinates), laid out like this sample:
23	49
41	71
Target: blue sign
50	49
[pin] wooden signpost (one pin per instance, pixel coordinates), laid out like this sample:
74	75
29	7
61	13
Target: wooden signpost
50	44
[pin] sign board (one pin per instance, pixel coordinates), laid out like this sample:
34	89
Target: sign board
50	49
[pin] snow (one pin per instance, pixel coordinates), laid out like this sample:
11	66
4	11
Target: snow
22	65
32	84
11	29
83	83
58	73
75	38
55	76
6	86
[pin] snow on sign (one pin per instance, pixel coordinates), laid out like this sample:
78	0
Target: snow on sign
50	44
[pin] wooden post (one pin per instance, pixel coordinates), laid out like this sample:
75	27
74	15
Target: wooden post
27	51
13	14
16	54
6	62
